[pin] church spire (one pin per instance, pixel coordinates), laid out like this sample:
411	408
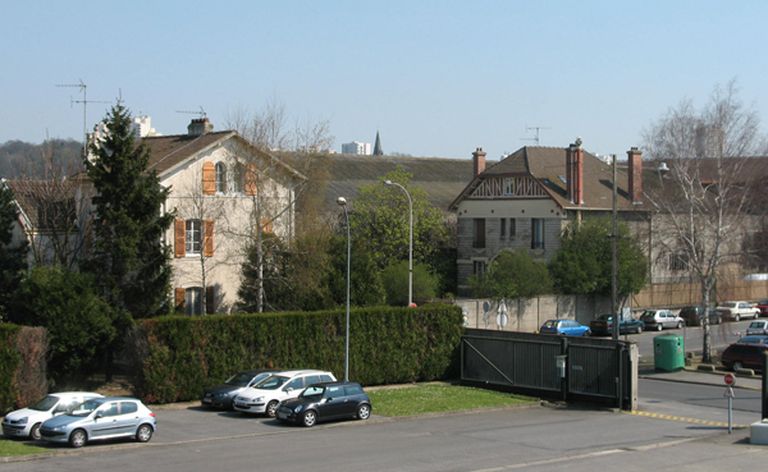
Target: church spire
377	151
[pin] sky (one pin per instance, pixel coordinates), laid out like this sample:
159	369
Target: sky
435	78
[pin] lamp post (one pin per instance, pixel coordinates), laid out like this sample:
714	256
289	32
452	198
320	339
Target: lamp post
342	202
410	238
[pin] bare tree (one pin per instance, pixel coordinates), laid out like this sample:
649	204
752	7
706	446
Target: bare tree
702	201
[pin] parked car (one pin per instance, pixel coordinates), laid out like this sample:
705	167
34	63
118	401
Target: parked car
565	327
736	311
101	418
762	306
660	319
267	394
222	395
327	401
692	315
744	355
603	325
25	423
754	339
758	327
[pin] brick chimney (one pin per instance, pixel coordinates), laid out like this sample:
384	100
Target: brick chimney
635	171
478	161
199	126
574	172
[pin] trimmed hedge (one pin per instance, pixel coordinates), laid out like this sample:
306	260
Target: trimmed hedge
22	365
175	357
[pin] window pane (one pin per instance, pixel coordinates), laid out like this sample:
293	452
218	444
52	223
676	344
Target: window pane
221	177
194	236
479	233
537	233
503	228
193	301
512	227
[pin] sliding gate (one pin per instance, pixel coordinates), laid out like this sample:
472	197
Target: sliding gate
559	367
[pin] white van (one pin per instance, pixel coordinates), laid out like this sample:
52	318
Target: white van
25	423
265	396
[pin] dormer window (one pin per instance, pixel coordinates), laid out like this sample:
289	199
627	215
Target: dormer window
508	186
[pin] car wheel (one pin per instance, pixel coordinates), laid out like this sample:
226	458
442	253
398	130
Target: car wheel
363	412
737	365
77	438
144	433
587	333
737	318
34	433
679	324
272	408
310	418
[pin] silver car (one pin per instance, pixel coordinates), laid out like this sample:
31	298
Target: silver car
101	418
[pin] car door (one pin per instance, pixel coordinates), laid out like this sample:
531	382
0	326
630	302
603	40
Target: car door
128	419
335	402
104	421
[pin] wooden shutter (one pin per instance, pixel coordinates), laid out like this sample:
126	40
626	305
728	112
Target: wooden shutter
209	178
250	179
207	238
179	295
179	238
210	299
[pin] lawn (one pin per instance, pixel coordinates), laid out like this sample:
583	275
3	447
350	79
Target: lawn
18	448
439	398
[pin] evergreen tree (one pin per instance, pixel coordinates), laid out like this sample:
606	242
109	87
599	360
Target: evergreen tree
12	255
129	257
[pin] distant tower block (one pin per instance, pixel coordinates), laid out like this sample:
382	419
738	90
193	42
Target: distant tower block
377	150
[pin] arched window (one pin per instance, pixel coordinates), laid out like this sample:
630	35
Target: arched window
221	177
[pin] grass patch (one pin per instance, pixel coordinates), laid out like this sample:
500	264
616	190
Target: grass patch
18	448
439	398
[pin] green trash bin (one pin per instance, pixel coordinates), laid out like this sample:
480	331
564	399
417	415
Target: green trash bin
668	352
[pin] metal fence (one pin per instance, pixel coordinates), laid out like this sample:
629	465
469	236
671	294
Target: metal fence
565	368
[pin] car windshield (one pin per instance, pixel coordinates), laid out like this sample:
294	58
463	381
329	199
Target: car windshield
45	404
312	391
550	324
757	324
240	379
273	382
648	315
729	304
87	407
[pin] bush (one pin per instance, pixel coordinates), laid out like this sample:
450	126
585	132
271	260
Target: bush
395	280
79	323
22	365
513	274
175	357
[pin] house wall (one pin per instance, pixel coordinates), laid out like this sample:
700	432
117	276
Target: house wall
234	217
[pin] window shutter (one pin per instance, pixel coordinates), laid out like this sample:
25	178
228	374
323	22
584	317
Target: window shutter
179	294
266	226
250	179
210	299
179	238
208	238
209	178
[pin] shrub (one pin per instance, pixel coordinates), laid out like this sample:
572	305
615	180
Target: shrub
395	280
175	357
22	365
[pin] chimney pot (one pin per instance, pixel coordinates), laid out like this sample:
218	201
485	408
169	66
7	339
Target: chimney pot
199	126
635	175
478	161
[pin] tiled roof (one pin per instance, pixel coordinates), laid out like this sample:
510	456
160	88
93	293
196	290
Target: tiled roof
441	178
37	197
547	165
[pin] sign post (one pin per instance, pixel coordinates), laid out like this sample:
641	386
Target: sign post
729	380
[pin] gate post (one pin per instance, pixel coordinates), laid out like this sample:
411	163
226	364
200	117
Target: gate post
633	357
564	378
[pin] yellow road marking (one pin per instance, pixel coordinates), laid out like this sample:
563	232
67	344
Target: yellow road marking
684	419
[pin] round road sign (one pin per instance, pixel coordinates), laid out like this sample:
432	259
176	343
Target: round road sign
729	379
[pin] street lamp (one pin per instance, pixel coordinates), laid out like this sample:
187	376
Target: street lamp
410	238
342	202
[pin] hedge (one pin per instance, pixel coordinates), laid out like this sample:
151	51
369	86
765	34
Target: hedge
175	357
22	365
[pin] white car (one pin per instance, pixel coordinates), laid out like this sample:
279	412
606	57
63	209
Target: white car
25	423
739	310
757	327
265	396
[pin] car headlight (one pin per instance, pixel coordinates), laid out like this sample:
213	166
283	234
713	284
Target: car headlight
22	420
259	399
297	409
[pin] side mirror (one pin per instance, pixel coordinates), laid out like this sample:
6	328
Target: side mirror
288	389
99	414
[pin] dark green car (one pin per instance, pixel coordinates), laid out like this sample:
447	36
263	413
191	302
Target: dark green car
603	325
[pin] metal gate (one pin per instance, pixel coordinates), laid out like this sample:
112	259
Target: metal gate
566	368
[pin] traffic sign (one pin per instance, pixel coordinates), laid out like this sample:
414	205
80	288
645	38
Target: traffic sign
729	379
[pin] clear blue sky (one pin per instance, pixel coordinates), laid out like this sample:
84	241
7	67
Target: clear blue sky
436	78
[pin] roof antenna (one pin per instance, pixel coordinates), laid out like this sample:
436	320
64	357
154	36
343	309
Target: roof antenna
200	114
536	136
84	90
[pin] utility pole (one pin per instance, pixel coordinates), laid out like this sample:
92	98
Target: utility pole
614	261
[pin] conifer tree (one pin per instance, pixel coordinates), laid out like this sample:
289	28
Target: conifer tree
129	258
12	255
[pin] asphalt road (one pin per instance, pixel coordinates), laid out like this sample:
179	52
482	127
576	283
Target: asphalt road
538	438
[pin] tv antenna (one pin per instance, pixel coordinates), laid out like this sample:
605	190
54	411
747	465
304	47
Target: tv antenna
537	135
200	114
84	90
